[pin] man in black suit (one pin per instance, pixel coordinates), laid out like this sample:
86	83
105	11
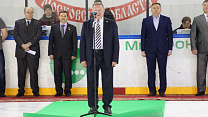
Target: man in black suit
62	48
106	53
27	33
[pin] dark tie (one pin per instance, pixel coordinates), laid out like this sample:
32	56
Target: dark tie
98	36
62	30
28	24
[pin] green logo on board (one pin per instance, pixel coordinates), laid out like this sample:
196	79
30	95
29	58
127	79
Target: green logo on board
78	72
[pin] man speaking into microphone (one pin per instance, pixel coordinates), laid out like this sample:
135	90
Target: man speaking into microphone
104	41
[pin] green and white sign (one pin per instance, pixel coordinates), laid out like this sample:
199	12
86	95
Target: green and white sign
78	72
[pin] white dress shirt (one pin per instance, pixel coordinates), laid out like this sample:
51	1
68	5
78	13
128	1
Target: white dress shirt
27	21
206	17
156	21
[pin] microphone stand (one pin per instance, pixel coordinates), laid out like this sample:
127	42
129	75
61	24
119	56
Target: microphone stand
95	87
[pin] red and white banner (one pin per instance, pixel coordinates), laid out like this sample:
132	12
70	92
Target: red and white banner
78	14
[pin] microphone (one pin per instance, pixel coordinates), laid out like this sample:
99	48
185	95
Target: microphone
95	13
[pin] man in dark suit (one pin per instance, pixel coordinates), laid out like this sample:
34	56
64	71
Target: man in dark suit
62	48
106	53
27	33
156	42
4	32
199	47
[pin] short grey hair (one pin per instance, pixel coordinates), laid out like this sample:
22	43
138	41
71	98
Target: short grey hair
28	7
97	3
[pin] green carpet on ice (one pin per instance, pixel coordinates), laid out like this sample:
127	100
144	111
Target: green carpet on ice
138	108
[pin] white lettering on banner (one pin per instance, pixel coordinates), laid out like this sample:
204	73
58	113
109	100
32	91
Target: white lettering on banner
123	13
65	8
118	16
78	14
83	13
133	7
130	11
140	3
53	6
59	8
72	13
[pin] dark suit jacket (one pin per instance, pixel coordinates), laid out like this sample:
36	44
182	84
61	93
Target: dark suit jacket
152	40
110	42
22	36
63	47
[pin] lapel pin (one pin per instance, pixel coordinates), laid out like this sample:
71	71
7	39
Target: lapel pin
68	28
106	21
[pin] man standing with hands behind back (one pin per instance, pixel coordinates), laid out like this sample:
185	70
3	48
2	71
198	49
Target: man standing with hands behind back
199	47
27	34
156	42
62	48
106	54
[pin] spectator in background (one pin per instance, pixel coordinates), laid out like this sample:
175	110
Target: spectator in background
107	14
49	17
186	24
4	32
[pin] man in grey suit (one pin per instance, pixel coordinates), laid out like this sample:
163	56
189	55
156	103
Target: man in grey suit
199	47
27	34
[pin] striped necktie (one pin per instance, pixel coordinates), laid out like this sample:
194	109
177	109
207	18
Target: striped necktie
98	36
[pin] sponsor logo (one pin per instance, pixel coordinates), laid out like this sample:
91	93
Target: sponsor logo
177	43
78	14
78	72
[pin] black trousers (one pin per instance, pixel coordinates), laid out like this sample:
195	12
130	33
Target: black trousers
161	58
107	81
2	73
60	65
32	64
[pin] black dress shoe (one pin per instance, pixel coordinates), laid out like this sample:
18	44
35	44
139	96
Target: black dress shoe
108	110
20	95
151	94
200	93
162	94
36	94
68	94
2	95
92	110
58	94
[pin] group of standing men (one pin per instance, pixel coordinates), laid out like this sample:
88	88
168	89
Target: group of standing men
99	38
62	48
